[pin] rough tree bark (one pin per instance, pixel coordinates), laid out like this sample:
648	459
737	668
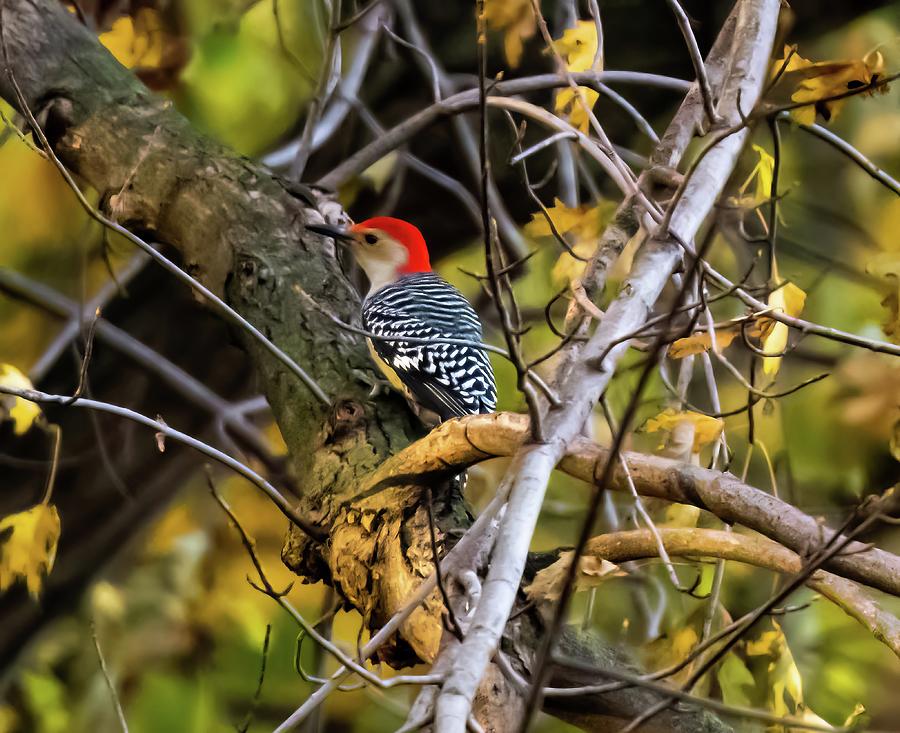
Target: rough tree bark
239	230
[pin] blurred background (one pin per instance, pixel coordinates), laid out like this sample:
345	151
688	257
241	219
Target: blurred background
149	561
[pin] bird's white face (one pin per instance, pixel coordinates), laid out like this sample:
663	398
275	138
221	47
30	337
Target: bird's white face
380	256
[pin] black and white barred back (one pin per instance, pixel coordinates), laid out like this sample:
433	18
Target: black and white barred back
451	380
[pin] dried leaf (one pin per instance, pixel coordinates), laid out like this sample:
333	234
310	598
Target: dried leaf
790	300
699	342
706	428
161	436
516	19
869	398
814	82
21	412
548	583
28	546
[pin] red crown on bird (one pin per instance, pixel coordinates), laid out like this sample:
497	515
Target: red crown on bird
404	233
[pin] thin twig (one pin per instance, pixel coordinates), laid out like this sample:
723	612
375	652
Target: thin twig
355	18
412	340
50	300
642	510
86	359
445	597
315	532
684	25
425	589
509	320
468	100
832	547
167	264
847	149
309	629
587	378
328	74
714	705
254	704
117	705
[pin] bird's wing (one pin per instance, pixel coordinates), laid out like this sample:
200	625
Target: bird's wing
452	379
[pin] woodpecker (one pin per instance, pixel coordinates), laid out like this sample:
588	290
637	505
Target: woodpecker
406	298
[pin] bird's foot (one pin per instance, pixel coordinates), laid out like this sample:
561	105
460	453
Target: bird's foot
377	386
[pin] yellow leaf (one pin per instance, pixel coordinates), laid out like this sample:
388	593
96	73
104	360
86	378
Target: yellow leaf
137	41
569	105
699	342
107	601
706	428
9	719
548	583
858	718
566	219
580	226
578	46
761	176
781	678
22	412
767	644
671	648
789	300
578	49
28	546
887	267
381	171
569	269
680	515
735	681
814	82
516	19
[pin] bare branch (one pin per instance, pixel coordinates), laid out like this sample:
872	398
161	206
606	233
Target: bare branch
286	507
120	714
468	100
457	444
847	149
224	309
684	25
751	549
586	380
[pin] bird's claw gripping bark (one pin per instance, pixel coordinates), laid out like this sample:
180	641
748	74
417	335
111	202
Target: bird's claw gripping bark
377	386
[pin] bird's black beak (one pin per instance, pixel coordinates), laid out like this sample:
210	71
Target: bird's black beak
338	235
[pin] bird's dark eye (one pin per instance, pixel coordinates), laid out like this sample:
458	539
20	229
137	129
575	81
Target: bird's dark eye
371	239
